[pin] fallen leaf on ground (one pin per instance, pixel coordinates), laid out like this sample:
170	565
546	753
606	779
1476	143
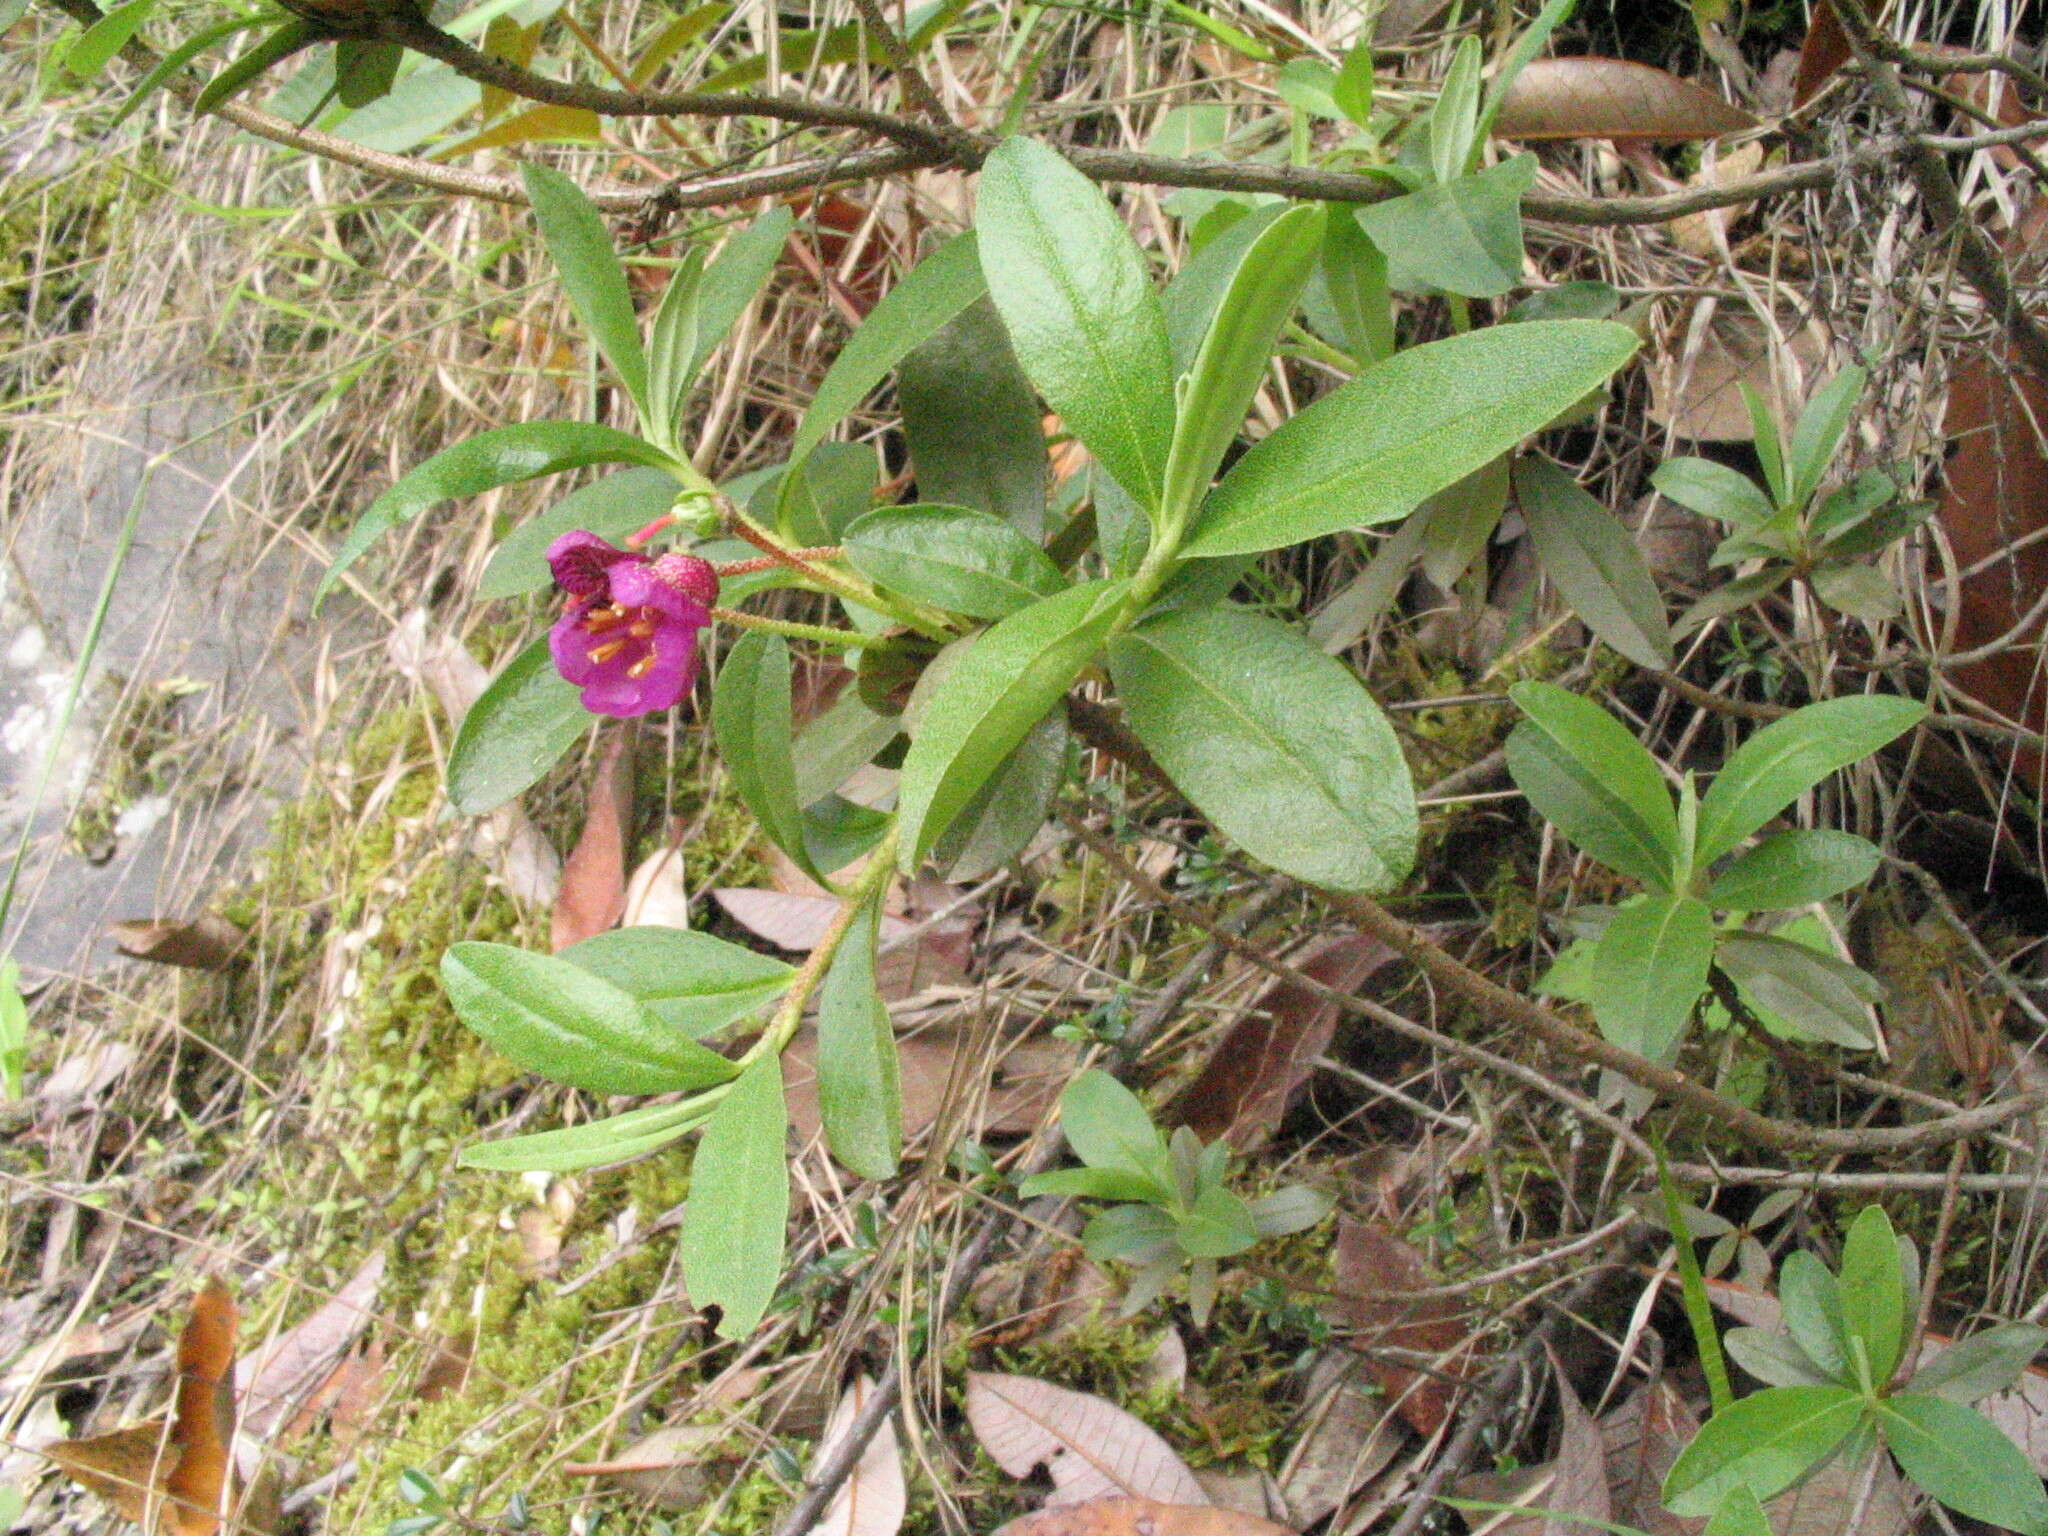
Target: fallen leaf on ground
1027	1079
1700	398
670	1469
175	1476
1244	1090
593	889
1580	1487
656	896
1374	1268
790	921
1824	50
872	1501
1139	1517
286	1371
198	944
1350	1439
1091	1448
1589	98
85	1074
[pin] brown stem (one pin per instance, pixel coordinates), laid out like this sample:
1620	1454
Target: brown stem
916	89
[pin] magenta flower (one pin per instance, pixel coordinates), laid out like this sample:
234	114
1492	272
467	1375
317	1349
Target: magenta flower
628	638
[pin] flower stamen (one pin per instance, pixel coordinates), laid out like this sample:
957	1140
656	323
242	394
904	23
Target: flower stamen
605	652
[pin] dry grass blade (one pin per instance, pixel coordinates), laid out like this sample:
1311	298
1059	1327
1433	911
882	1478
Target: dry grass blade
1091	1448
1583	98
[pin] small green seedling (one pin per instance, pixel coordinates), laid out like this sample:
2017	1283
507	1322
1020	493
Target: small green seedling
1174	1206
1831	1393
1651	965
1824	541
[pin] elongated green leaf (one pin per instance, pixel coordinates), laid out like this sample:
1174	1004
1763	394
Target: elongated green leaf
1190	300
592	1144
498	457
953	558
1873	1292
1764	1443
1594	564
832	745
179	57
734	277
931	294
581	245
90	51
1960	1457
1815	995
364	70
514	733
990	699
690	982
1355	276
13	1029
1276	743
1237	351
1794	868
1073	292
672	349
1983	1364
739	1202
1108	1127
1090	1184
248	65
1591	779
1648	970
1731	597
1818	432
997	823
1812	1302
1217	1225
1772	1358
860	1098
1739	1514
1462	236
1714	490
611	508
571	1027
971	422
1403	430
750	717
1789	756
819	500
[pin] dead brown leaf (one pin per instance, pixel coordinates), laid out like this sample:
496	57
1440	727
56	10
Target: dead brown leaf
1350	1440
873	1499
1374	1268
656	895
289	1369
933	1063
1251	1078
1824	50
1139	1517
1589	98
1580	1486
1699	397
593	891
672	1468
790	921
1092	1448
198	944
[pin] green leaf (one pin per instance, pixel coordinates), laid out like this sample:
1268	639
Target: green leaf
1003	685
90	51
1194	293
364	70
1985	1363
1108	1127
1811	1300
859	1097
1730	597
1216	1226
822	497
1133	1234
837	831
833	744
1403	430
1594	564
1090	1184
1881	529
1452	127
1458	520
1739	1514
1237	352
734	277
13	1029
1352	90
1873	1292
1462	236
1355	277
1764	1443
691	983
1277	744
611	508
1772	1358
1791	869
288	38
739	1202
1295	1208
632	1134
1849	504
1648	970
1002	818
1585	774
1814	995
184	53
555	1018
930	296
953	558
1818	433
1789	756
1714	490
1960	1457
971	423
672	350
1074	295
518	728
581	245
751	721
498	457
1861	591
